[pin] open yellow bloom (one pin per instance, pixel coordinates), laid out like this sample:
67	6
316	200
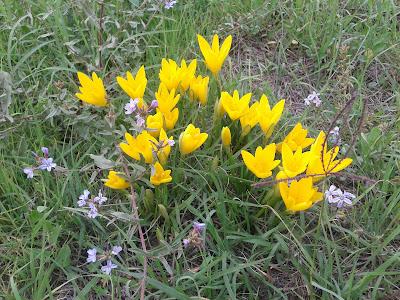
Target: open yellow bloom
159	175
250	119
294	163
325	163
235	106
170	118
92	91
167	99
134	86
142	145
116	182
263	162
170	74
297	138
226	137
214	56
199	89
268	117
191	139
165	148
299	195
186	74
154	123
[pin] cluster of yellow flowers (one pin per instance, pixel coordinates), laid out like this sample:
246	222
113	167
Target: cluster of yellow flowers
299	169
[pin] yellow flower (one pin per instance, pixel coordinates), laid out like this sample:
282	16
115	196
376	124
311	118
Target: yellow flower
191	139
250	119
268	117
186	74
116	182
297	138
294	163
299	195
92	91
199	89
165	147
159	175
325	163
262	163
170	118
226	137
166	99
154	123
170	74
142	145
214	56
235	107
134	86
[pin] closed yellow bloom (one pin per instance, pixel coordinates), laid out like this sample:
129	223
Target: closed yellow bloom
235	106
134	87
167	99
268	117
263	162
186	74
326	163
116	182
170	74
294	163
92	91
159	175
199	89
214	56
250	119
299	195
165	147
142	145
297	138
154	123
170	118
226	136
191	139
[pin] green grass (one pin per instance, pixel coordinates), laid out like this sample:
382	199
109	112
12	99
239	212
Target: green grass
285	49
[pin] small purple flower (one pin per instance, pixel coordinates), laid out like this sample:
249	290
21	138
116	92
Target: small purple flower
45	151
334	135
169	3
93	212
108	267
314	98
153	105
171	142
47	164
29	172
199	227
330	193
131	106
91	255
116	250
140	121
340	198
83	198
186	243
100	199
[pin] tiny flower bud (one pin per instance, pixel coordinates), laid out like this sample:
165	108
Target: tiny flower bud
199	227
226	137
153	105
45	151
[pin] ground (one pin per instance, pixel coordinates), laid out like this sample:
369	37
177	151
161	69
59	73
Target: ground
286	49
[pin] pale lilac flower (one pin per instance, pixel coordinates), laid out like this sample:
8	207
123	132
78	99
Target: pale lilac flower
140	121
108	267
335	135
314	98
153	105
45	151
186	243
100	199
91	255
83	198
116	250
93	212
47	164
330	193
199	227
169	4
342	198
29	172
131	106
171	142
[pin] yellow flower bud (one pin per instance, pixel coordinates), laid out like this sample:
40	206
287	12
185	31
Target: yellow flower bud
191	139
116	182
226	136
